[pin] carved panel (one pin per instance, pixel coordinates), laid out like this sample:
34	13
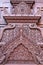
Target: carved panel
21	55
9	35
33	34
22	9
14	36
29	2
20	51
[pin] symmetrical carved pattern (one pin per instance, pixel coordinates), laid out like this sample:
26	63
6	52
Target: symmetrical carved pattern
19	43
32	34
22	9
21	39
22	54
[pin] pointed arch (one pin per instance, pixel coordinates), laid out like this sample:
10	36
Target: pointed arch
26	44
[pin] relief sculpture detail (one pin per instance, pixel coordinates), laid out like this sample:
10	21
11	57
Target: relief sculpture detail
20	39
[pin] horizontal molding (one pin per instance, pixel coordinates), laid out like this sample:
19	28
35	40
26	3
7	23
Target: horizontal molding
22	19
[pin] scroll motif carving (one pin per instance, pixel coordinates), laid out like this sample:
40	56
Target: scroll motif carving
24	36
20	37
34	34
5	28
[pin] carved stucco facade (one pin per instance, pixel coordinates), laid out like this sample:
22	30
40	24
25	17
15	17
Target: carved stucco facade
21	32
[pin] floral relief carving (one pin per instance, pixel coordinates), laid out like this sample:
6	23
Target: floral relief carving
19	38
32	34
25	35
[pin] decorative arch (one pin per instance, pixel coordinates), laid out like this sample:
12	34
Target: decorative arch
32	48
25	46
21	53
22	8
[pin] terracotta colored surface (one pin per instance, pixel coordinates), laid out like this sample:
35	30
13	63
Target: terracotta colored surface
31	3
20	39
22	19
